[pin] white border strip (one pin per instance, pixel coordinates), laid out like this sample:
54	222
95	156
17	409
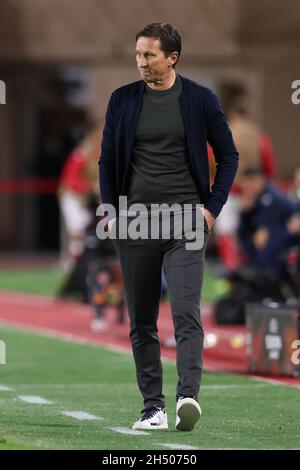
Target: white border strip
274	382
33	400
81	415
128	431
70	338
4	388
178	446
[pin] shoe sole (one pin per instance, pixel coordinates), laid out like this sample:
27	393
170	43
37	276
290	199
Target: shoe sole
150	428
188	414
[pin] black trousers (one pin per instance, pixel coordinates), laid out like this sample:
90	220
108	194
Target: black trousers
141	263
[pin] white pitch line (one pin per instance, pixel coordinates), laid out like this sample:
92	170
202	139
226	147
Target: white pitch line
34	400
274	381
71	338
4	388
179	446
129	431
66	337
81	415
230	386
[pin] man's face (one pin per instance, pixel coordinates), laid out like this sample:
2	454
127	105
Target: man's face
151	61
252	186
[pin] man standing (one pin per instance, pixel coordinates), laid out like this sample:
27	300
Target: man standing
154	150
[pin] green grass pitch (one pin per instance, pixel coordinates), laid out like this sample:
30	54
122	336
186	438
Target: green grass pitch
237	412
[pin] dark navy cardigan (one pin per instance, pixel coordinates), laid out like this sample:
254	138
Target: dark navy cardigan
204	121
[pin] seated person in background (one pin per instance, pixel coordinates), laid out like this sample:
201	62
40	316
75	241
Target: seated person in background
294	228
265	231
255	148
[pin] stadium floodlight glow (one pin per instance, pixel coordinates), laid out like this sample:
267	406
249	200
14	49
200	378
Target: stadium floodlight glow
2	92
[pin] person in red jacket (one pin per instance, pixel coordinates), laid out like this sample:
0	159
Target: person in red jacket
78	179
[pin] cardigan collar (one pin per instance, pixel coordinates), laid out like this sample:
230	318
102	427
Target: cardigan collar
142	84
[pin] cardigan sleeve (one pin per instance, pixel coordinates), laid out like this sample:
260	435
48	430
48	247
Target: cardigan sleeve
107	163
226	156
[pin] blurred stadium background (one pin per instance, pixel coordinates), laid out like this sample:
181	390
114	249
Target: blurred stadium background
60	61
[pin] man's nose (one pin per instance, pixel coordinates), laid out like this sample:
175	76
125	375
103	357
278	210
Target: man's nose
142	62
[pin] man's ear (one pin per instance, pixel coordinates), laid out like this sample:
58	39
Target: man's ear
173	57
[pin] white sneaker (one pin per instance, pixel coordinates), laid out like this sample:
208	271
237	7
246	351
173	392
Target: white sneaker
188	412
153	418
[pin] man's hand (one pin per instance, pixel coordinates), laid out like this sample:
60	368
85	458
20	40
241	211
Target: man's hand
261	238
210	220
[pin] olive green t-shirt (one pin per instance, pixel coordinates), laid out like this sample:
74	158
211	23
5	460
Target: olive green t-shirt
159	169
